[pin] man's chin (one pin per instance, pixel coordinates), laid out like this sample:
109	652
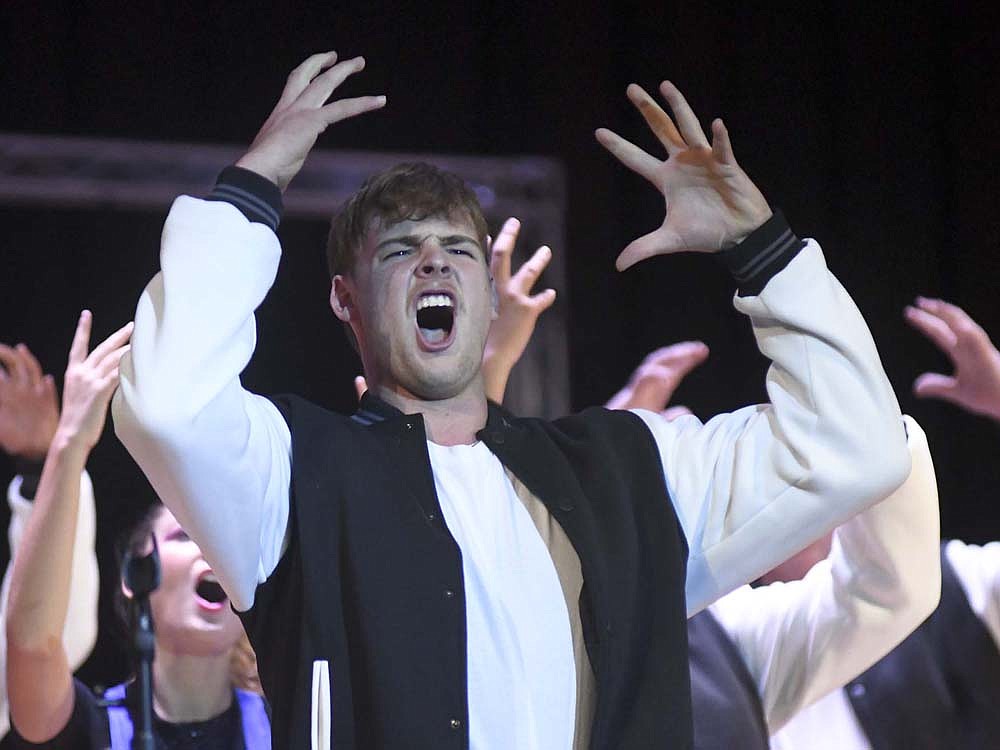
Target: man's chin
437	391
442	381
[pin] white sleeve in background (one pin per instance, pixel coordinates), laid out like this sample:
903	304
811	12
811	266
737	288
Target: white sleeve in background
217	455
803	639
80	631
978	571
753	487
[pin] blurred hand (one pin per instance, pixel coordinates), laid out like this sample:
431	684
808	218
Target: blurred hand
975	384
301	114
711	203
91	379
29	409
654	381
517	308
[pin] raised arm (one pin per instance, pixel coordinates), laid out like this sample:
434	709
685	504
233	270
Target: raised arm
80	632
882	578
29	414
39	675
217	455
753	487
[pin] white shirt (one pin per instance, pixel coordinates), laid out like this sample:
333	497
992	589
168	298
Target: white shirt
831	724
750	488
80	631
522	677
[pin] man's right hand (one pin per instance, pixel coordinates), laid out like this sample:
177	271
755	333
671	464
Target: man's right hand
975	384
301	114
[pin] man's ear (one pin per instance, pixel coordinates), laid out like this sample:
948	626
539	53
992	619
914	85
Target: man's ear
341	298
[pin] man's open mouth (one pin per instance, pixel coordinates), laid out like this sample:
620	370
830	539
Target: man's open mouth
435	319
209	591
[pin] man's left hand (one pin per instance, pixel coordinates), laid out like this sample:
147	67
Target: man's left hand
711	203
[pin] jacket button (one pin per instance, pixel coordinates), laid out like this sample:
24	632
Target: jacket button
431	516
409	425
449	594
455	723
858	690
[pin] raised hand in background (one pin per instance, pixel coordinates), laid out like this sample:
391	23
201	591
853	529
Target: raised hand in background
652	384
29	407
975	383
517	308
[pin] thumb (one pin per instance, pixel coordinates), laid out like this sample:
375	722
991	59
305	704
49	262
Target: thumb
935	385
660	242
544	300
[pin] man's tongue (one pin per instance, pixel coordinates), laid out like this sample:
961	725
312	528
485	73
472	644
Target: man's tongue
433	335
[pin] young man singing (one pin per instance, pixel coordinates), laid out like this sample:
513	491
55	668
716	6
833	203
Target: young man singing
433	571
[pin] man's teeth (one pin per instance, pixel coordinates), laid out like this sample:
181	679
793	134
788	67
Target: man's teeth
434	300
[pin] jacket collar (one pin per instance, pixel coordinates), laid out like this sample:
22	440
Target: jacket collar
372	410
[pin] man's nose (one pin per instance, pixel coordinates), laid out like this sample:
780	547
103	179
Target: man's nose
434	262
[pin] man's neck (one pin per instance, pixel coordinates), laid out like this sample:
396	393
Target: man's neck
451	421
191	688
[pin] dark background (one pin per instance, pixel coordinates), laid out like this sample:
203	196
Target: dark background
874	129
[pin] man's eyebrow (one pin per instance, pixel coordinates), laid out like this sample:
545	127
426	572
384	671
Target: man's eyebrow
414	240
455	239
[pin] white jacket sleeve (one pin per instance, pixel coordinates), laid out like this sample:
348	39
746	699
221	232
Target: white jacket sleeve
217	455
753	487
80	631
802	639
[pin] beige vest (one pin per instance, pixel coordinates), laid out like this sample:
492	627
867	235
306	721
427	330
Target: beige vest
570	573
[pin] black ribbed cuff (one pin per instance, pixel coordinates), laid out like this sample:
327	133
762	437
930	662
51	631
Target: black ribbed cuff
763	254
256	197
31	474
